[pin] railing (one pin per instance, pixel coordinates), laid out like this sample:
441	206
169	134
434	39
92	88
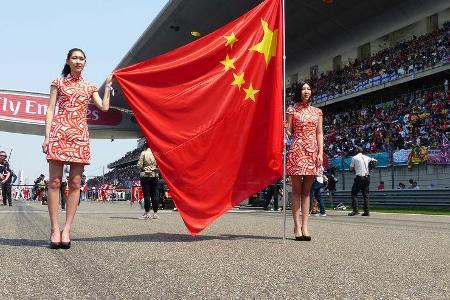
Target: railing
397	198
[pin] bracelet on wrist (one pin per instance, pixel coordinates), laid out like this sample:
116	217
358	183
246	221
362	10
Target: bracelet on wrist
109	86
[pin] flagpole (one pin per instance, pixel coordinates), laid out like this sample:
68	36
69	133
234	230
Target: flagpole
284	122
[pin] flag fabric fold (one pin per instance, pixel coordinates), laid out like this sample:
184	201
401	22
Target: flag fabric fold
212	113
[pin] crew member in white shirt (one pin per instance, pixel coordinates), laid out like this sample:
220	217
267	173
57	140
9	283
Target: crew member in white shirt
360	164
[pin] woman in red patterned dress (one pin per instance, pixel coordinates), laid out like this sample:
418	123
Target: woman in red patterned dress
67	138
304	125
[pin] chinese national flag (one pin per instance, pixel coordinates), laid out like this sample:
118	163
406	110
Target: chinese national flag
212	113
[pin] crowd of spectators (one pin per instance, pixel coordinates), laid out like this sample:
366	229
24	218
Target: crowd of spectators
122	177
130	156
404	58
416	119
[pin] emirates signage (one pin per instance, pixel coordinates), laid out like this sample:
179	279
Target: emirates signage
34	108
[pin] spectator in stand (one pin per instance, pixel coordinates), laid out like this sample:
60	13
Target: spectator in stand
381	186
418	118
401	186
403	59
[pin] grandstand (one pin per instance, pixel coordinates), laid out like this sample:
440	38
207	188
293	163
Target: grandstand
394	103
388	94
123	171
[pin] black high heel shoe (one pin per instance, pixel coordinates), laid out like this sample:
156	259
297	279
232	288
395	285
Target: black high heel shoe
298	237
65	245
306	237
54	245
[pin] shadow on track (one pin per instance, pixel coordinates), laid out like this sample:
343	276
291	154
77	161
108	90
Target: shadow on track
172	237
23	242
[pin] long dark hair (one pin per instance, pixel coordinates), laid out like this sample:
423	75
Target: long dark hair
66	69
298	91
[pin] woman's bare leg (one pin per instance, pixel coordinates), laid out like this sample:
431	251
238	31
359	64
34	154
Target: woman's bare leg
74	183
296	182
54	183
305	198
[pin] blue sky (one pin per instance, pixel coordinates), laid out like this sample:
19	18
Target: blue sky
35	37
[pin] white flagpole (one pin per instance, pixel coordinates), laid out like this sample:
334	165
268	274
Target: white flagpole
284	121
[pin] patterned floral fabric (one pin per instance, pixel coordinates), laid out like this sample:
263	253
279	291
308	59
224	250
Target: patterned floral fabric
69	136
302	155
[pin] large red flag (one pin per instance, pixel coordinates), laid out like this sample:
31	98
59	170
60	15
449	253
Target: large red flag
212	113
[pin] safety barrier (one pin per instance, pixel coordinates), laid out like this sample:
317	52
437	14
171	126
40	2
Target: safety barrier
398	198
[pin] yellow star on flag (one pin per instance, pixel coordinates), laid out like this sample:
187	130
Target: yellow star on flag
268	44
238	80
231	39
228	63
250	93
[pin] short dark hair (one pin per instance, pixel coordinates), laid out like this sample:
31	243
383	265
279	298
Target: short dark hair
298	90
359	150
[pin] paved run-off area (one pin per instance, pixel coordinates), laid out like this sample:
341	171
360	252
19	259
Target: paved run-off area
116	256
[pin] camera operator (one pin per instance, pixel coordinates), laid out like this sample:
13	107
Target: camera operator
360	164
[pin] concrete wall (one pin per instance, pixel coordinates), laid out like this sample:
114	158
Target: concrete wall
443	17
325	65
424	175
380	44
303	73
349	56
406	33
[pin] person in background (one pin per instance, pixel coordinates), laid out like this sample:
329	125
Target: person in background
411	183
273	191
331	186
5	179
381	186
148	174
360	164
320	182
36	187
62	189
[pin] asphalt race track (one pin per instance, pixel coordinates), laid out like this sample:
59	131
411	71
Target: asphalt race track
241	256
